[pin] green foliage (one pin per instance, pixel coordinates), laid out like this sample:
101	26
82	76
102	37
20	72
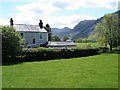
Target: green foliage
107	32
65	38
87	45
84	40
12	42
103	49
56	38
42	54
47	27
86	72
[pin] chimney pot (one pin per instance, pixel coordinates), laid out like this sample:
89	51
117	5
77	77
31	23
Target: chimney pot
41	24
11	22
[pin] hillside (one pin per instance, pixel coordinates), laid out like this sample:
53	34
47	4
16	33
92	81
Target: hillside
82	30
85	28
61	32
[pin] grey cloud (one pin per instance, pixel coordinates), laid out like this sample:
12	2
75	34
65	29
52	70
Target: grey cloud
113	4
38	11
61	5
89	3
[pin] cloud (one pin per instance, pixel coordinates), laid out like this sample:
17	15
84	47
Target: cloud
50	6
32	12
119	5
38	7
72	4
4	22
54	21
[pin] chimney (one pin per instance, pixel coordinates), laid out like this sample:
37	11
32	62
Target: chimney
11	22
41	24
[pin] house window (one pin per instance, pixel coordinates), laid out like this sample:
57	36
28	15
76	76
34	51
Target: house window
21	34
41	36
34	41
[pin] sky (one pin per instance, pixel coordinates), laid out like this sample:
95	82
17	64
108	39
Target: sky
57	13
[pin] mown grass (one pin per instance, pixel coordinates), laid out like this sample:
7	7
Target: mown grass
99	71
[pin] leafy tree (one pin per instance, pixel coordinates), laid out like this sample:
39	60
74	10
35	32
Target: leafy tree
12	42
101	34
108	31
56	38
65	38
47	27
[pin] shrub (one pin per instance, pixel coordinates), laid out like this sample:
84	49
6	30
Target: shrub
12	43
103	49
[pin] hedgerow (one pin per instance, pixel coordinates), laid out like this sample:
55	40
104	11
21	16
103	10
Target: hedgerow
43	54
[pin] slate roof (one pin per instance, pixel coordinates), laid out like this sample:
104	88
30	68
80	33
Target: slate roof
59	44
28	28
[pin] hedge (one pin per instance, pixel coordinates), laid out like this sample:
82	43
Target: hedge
43	54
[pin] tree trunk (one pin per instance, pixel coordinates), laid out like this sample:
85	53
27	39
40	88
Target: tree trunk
111	47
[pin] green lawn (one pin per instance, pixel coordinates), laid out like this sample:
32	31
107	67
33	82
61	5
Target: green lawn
99	71
88	45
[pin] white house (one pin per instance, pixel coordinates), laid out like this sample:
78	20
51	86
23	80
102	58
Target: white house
33	35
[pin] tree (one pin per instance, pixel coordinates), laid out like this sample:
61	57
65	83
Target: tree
47	27
108	31
101	34
56	38
12	42
65	38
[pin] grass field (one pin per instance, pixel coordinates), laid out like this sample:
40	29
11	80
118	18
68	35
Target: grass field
88	45
99	71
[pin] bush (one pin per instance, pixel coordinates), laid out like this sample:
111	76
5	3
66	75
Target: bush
103	49
12	43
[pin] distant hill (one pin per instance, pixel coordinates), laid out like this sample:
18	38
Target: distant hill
61	32
85	28
82	30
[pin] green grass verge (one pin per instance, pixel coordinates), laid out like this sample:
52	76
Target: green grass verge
99	71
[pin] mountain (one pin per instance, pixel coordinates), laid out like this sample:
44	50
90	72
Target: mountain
85	28
82	30
61	32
